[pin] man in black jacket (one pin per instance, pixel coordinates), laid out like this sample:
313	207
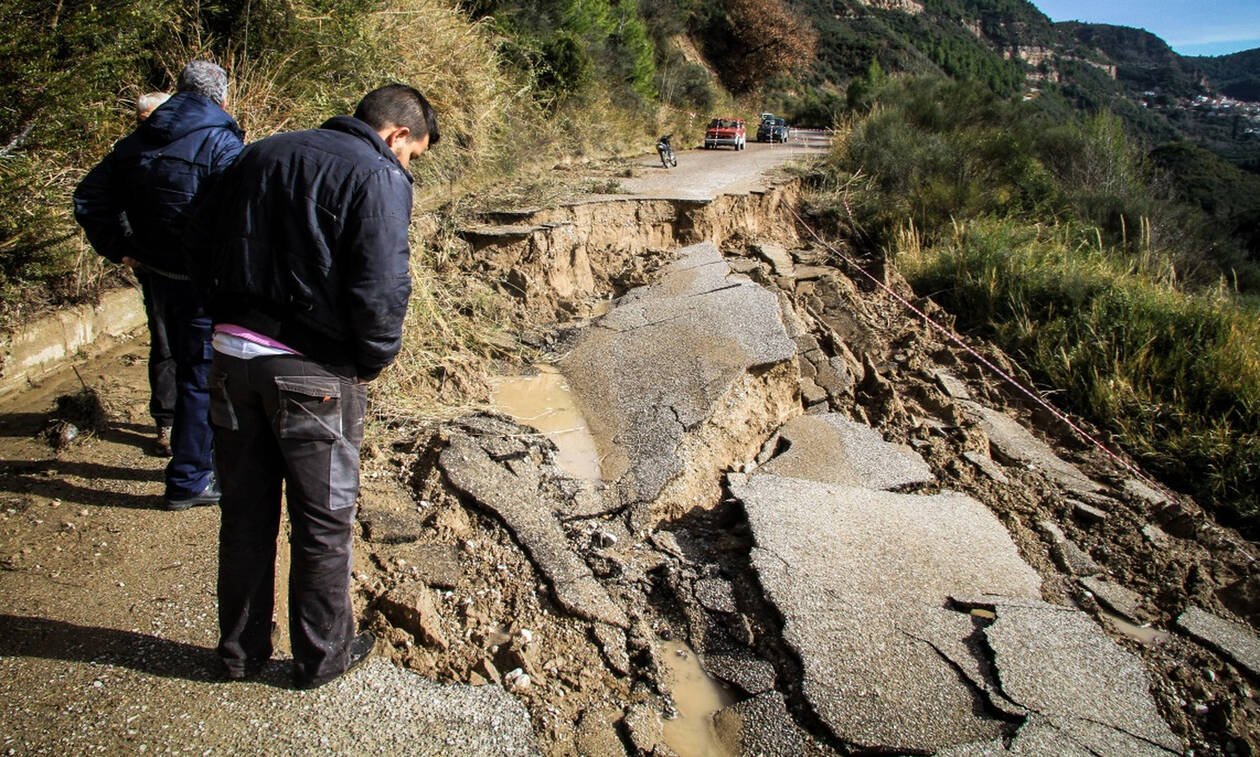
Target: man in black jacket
301	248
134	206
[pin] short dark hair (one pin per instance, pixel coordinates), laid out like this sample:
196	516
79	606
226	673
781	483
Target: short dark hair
399	105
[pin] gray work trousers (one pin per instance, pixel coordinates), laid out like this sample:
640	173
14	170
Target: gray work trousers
286	419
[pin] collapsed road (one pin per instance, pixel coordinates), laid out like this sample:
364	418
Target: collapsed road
808	526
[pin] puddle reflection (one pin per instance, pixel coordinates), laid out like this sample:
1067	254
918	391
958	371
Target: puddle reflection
697	698
544	402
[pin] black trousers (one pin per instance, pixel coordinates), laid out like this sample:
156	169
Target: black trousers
161	358
286	420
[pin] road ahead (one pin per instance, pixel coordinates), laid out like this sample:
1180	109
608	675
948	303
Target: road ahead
704	174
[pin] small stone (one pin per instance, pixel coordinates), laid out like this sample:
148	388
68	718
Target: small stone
516	680
410	607
952	386
1087	513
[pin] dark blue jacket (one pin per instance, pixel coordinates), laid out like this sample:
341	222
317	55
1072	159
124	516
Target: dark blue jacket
304	239
135	201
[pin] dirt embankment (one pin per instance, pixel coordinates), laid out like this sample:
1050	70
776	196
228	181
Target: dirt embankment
570	612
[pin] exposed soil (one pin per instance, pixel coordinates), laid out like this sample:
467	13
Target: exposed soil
452	594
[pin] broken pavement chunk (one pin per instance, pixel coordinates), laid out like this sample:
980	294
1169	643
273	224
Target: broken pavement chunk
1062	666
830	448
1118	599
1067	555
760	726
716	594
1234	640
531	522
752	674
852	571
987	466
1015	443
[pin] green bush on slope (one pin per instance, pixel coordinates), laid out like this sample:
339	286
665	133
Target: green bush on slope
1051	239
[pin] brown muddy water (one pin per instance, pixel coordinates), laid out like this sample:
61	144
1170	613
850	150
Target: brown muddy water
697	697
544	402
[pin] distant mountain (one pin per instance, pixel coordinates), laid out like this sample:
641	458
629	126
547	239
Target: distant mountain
1013	47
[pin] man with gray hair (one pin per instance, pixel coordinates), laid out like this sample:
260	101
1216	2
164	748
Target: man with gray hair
133	207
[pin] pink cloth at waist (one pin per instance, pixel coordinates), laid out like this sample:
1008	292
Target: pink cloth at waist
253	336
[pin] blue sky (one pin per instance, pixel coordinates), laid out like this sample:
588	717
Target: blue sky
1191	27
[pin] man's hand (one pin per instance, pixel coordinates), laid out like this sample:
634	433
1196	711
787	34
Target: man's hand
130	262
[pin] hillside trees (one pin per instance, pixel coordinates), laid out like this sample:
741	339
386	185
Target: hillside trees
756	40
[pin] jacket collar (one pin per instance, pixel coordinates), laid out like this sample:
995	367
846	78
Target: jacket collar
184	113
360	129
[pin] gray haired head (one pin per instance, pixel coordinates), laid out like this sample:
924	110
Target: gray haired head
205	78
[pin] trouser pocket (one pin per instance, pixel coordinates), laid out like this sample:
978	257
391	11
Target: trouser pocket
320	426
310	408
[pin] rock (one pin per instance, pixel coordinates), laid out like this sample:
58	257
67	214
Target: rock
811	393
1143	493
774	254
516	680
1013	443
1118	599
1087	513
1178	521
1158	537
716	594
597	734
987	466
1243	597
752	674
760	727
531	522
410	607
612	644
952	386
830	448
1066	554
854	593
1234	640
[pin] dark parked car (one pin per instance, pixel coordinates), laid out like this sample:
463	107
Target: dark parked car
725	131
773	129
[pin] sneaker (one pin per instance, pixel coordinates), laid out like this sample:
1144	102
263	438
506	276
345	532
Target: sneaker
360	649
162	443
208	496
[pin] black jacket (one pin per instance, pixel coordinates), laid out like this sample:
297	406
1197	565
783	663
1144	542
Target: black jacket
304	239
135	201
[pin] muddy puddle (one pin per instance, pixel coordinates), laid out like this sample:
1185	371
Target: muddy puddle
544	402
697	697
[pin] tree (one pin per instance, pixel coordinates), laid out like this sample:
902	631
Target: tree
769	40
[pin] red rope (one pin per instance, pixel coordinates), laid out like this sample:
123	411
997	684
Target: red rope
956	339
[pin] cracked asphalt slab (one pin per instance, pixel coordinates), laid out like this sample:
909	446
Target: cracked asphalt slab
832	449
654	367
852	571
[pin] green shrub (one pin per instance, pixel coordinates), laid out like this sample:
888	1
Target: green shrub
1174	376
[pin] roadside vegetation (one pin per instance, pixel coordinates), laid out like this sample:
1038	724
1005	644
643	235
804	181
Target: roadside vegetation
1054	236
520	85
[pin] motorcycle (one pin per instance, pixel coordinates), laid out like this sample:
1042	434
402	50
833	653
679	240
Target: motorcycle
666	151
